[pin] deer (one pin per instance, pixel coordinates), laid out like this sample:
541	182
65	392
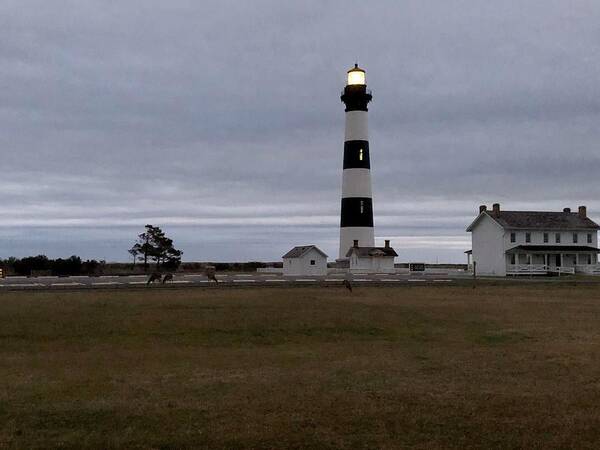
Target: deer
156	276
210	273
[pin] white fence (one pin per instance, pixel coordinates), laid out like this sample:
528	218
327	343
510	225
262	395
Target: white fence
540	269
588	269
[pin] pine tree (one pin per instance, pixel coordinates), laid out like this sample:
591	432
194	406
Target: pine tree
155	245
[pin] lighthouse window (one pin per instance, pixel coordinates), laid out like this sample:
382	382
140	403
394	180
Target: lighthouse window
362	206
360	154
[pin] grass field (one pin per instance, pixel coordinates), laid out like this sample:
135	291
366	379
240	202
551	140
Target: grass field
383	368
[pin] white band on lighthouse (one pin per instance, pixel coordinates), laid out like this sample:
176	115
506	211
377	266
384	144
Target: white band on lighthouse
364	236
356	183
357	126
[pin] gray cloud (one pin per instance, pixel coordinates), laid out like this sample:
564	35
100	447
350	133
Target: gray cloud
221	120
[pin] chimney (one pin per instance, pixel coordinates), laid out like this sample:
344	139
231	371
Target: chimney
387	243
482	208
567	210
582	212
496	208
355	242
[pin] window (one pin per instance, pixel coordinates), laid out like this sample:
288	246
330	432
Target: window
589	238
557	238
513	260
527	237
360	154
545	238
513	237
362	206
575	238
312	262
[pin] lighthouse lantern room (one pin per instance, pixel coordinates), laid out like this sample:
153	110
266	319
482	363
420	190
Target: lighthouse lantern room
356	76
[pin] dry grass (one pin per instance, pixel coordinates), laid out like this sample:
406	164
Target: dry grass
426	367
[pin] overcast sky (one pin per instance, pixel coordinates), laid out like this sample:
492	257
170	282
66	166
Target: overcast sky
221	121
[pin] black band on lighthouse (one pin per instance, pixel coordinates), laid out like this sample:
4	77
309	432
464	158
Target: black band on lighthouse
356	97
356	155
357	212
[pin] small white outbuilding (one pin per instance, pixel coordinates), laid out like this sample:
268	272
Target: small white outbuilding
371	259
305	260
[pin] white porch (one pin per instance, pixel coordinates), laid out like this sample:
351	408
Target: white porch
553	261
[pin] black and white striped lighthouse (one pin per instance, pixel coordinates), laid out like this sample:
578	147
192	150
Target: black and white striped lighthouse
357	204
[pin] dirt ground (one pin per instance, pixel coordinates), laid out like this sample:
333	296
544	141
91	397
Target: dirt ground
514	366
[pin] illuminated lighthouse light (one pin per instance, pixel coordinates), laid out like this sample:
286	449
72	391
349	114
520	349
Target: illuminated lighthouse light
356	76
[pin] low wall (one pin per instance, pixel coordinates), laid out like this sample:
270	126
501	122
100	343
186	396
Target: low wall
270	270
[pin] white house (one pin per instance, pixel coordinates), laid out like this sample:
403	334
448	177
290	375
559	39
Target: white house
305	260
371	259
534	242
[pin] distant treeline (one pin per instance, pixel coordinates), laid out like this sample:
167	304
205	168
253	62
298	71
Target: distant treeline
42	265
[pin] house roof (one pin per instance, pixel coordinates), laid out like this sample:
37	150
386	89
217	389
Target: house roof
538	220
553	249
301	250
364	252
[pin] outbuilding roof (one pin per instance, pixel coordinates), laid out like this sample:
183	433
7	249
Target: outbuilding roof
301	250
533	220
364	252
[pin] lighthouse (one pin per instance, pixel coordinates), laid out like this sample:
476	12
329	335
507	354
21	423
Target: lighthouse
356	223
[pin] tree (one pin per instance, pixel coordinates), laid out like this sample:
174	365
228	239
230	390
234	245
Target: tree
154	244
25	266
68	266
144	245
133	251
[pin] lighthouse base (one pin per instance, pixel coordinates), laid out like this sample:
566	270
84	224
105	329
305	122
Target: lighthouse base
364	235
